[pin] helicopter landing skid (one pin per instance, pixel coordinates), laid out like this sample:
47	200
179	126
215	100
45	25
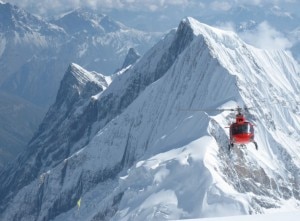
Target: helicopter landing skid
256	146
241	146
230	146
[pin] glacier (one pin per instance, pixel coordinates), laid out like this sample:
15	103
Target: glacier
129	148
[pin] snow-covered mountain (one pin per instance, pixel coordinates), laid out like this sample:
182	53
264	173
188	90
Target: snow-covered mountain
127	151
82	21
92	40
259	23
22	35
34	55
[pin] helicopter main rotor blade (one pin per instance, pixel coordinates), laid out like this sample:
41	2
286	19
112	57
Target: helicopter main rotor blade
204	110
219	109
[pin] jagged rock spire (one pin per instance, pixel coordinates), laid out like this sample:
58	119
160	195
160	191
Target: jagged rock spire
131	57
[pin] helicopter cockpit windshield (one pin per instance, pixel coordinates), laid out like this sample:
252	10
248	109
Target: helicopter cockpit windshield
245	128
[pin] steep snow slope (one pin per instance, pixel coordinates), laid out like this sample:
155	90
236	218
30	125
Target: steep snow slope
151	161
60	130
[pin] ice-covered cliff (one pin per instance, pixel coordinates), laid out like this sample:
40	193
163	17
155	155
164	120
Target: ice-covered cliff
130	152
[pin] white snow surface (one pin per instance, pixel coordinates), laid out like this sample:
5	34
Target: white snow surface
83	76
182	168
291	216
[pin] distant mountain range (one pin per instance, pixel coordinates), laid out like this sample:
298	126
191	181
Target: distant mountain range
244	17
35	53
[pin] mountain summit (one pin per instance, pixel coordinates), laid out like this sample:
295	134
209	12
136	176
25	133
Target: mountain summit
83	20
135	151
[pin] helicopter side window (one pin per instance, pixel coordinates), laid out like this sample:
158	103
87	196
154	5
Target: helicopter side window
236	129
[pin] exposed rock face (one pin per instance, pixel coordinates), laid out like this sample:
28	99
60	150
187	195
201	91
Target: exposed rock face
130	58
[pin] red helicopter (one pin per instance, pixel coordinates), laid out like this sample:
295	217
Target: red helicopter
241	132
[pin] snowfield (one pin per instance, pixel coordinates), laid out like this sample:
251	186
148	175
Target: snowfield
291	216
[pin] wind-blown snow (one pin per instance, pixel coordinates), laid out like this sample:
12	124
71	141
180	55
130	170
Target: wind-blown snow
159	160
